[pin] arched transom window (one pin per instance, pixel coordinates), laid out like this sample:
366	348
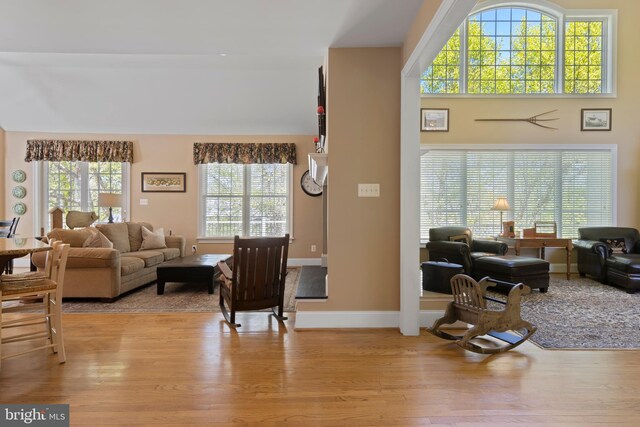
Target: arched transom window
509	49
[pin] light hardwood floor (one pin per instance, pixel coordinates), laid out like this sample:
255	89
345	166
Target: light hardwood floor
192	369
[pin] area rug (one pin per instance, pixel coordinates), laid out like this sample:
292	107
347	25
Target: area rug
581	314
178	297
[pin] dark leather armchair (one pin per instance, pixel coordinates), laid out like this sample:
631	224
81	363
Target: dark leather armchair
458	246
596	244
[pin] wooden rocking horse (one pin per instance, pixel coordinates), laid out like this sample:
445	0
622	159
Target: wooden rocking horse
469	306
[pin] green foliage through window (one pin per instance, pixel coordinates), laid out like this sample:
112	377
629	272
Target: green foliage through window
515	50
245	200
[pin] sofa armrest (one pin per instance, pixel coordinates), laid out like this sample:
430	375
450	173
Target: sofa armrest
491	246
82	258
176	242
592	246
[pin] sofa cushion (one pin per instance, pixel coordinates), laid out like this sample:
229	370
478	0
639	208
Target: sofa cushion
169	253
75	238
153	239
129	265
150	258
97	240
118	234
91	258
135	234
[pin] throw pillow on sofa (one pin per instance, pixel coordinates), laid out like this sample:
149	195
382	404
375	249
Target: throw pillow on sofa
75	238
97	240
118	234
153	239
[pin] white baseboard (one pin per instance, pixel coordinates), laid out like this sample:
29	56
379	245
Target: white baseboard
363	319
562	268
298	262
347	319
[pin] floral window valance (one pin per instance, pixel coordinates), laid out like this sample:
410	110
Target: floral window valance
214	152
84	151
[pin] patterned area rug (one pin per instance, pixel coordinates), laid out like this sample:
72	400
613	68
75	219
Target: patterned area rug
178	297
582	314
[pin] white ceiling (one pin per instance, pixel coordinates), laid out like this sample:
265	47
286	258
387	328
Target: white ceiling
155	66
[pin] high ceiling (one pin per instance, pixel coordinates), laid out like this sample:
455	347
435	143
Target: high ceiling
157	66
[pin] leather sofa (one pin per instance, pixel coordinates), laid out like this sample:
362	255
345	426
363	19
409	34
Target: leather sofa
457	245
593	250
104	272
610	254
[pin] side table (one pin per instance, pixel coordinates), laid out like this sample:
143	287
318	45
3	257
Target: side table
541	243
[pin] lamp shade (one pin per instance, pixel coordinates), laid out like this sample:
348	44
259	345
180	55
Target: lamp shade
109	200
501	204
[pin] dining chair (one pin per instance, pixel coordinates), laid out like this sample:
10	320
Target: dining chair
8	229
16	287
256	280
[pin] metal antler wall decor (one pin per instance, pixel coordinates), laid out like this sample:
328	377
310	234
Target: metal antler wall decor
533	120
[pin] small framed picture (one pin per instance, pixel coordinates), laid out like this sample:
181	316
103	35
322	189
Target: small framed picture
164	182
434	119
595	119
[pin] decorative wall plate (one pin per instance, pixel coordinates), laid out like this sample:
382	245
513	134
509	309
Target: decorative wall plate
19	208
19	192
19	175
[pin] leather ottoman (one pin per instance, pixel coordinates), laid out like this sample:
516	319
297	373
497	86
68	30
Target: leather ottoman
436	275
624	270
533	272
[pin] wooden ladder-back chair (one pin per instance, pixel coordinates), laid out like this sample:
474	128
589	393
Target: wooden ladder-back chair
8	229
257	279
469	306
48	286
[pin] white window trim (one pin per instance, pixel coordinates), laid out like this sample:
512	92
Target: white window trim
40	211
613	148
225	240
610	17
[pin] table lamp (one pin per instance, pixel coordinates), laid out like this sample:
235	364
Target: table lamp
110	200
501	205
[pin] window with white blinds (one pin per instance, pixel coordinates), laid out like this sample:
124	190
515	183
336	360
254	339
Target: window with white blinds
246	200
573	187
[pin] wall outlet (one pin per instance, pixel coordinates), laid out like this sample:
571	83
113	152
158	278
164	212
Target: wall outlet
313	248
194	248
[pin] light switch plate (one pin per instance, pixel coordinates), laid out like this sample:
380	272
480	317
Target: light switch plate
368	190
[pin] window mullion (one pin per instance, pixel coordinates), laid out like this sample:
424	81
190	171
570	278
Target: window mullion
560	52
463	56
84	185
246	200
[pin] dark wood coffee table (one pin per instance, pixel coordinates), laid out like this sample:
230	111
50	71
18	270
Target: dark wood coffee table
191	269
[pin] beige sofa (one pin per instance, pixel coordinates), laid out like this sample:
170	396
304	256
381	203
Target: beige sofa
106	273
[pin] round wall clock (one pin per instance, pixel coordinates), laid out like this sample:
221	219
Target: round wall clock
19	192
19	175
309	186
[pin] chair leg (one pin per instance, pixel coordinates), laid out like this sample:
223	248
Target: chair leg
230	318
58	335
280	314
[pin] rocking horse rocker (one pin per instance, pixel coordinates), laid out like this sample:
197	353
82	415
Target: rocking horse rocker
469	306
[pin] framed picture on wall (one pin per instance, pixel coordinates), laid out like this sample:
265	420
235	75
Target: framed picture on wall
164	182
595	119
434	119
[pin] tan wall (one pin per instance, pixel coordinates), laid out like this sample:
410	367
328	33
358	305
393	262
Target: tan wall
363	94
178	211
419	26
625	124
